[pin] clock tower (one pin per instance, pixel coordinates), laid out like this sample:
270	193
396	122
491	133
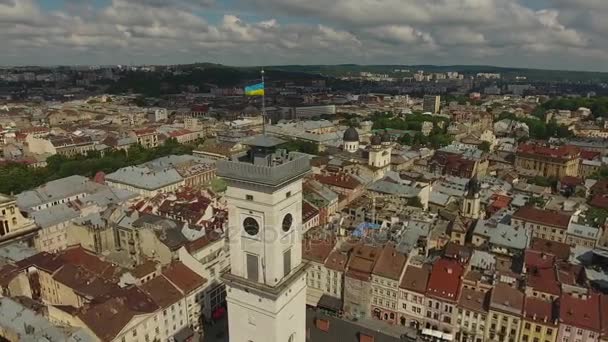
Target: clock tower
266	285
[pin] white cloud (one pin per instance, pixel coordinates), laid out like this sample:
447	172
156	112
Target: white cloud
311	31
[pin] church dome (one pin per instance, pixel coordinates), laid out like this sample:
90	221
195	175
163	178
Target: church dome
376	140
351	135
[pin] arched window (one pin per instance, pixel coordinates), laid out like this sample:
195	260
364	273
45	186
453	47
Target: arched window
292	338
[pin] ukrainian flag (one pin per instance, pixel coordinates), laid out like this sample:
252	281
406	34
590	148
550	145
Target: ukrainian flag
255	90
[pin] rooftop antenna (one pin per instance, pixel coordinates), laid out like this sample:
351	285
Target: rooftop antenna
263	104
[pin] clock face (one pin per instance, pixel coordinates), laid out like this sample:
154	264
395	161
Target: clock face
251	226
287	221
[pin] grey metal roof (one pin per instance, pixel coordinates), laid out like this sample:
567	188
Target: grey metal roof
54	215
583	231
439	198
172	161
144	177
31	327
391	188
500	233
16	251
56	190
263	141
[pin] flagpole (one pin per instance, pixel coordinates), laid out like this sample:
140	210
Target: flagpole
263	105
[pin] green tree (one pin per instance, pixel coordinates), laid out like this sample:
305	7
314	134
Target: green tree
415	202
485	146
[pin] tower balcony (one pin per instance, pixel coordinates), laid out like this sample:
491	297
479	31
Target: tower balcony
274	171
263	290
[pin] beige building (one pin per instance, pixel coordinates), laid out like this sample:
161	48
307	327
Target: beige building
209	258
472	314
53	223
146	137
386	277
13	225
544	224
318	277
504	314
412	299
535	160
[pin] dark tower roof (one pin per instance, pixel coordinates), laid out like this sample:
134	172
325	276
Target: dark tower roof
351	135
386	137
376	140
473	187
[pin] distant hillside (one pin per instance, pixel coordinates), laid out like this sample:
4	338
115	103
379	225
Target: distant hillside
154	84
508	73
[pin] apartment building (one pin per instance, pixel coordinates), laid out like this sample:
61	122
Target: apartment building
504	314
442	295
472	315
539	320
580	318
412	299
543	224
385	280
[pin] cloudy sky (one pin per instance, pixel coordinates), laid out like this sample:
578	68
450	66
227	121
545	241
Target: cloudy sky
564	34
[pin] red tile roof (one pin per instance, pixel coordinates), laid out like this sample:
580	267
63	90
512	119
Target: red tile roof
533	258
604	313
362	260
543	279
108	318
337	261
416	278
183	277
317	250
345	181
540	311
544	217
308	211
561	152
474	300
161	291
599	201
507	298
580	313
570	181
590	155
500	201
445	279
560	250
390	264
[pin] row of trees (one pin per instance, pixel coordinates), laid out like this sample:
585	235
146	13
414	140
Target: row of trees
538	128
413	122
16	177
598	105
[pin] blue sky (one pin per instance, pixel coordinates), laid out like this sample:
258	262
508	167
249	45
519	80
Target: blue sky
565	34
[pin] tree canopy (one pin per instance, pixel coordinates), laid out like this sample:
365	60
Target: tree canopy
16	177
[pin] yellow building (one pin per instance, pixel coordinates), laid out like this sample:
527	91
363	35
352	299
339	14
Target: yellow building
504	315
540	323
536	160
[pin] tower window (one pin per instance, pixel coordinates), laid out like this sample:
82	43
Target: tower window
288	194
286	262
249	197
251	226
287	222
252	267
